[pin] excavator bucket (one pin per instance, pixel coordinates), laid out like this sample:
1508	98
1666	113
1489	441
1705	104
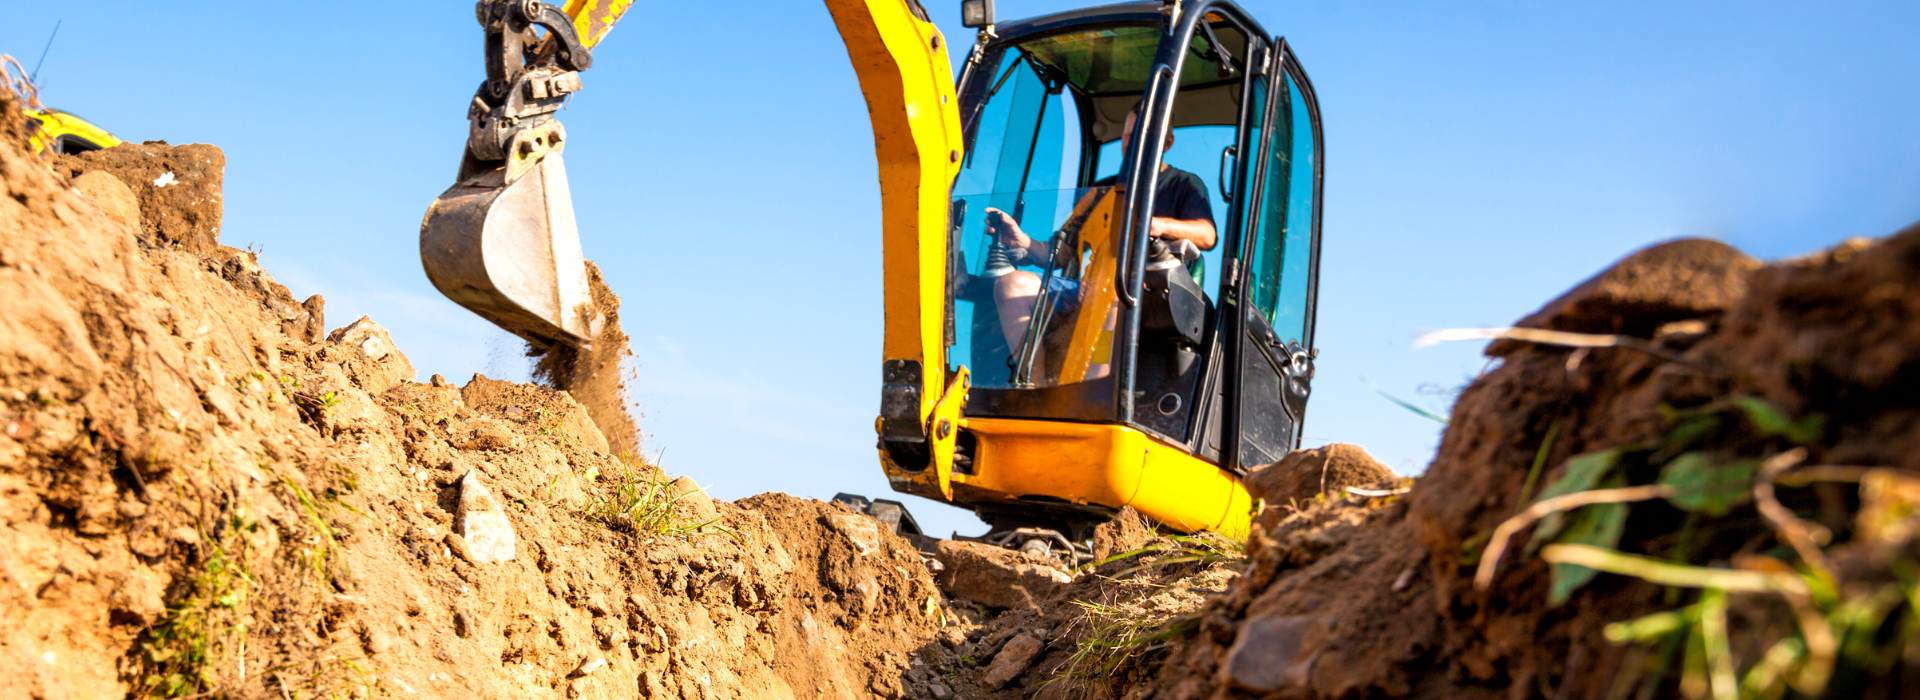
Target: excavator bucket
510	252
502	241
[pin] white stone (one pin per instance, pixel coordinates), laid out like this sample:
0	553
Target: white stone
589	666
483	524
370	337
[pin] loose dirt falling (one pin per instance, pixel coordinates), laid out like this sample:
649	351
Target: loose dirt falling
596	375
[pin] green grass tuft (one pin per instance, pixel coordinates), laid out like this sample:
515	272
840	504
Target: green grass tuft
641	499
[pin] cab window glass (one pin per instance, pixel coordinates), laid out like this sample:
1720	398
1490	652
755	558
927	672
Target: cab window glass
70	144
1281	252
1198	150
1253	138
1023	162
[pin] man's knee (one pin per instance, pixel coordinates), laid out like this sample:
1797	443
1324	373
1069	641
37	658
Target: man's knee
1019	283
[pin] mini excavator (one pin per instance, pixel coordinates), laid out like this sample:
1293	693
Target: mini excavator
53	131
1133	380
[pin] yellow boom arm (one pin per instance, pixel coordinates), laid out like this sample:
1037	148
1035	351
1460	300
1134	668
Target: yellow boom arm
592	19
907	80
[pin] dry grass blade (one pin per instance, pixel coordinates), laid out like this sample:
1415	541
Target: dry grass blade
17	83
1546	337
1531	335
1490	558
1670	574
1823	650
1824	472
1785	523
1719	652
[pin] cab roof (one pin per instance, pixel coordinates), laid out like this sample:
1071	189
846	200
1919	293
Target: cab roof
1106	54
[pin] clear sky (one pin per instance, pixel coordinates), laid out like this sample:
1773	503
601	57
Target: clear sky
1481	158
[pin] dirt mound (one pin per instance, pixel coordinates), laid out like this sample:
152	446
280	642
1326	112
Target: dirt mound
1299	478
1025	627
1810	360
596	375
178	188
201	496
1126	532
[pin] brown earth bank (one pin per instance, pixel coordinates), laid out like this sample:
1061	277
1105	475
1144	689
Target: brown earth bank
1760	421
202	496
203	493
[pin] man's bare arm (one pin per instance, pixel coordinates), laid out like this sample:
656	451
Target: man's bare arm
1198	231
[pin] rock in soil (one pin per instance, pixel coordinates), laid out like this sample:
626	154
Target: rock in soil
1126	532
692	502
112	195
997	577
178	188
484	526
1014	659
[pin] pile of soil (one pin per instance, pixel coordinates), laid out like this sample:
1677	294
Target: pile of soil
1029	627
1377	599
199	495
1304	477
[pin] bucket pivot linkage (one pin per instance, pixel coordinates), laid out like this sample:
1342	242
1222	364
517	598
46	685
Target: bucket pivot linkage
502	241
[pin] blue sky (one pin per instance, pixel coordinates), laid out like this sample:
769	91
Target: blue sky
1481	158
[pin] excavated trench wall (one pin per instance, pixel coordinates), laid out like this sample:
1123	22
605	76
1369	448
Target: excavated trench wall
199	493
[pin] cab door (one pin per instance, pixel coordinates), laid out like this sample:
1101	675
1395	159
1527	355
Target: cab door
1270	365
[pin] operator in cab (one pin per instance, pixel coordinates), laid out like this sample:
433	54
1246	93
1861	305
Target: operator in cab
1182	216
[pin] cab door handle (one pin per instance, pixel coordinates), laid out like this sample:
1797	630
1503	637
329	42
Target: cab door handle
1228	156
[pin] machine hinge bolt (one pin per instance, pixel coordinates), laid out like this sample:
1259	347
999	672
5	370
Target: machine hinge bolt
945	429
953	156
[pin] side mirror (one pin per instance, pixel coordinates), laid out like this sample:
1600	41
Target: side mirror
976	13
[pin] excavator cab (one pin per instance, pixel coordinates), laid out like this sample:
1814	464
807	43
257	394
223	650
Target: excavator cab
1135	377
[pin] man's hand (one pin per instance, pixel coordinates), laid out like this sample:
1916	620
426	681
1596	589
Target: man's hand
1007	231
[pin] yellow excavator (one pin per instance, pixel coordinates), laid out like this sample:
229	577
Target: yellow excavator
53	131
1140	374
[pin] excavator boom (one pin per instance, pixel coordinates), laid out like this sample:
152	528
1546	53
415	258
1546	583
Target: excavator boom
906	77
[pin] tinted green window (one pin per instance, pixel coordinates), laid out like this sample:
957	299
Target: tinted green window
1281	253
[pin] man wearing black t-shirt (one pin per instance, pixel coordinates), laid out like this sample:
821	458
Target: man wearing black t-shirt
1182	215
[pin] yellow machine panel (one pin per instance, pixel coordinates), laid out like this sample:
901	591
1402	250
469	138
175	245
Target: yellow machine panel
60	132
1106	465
